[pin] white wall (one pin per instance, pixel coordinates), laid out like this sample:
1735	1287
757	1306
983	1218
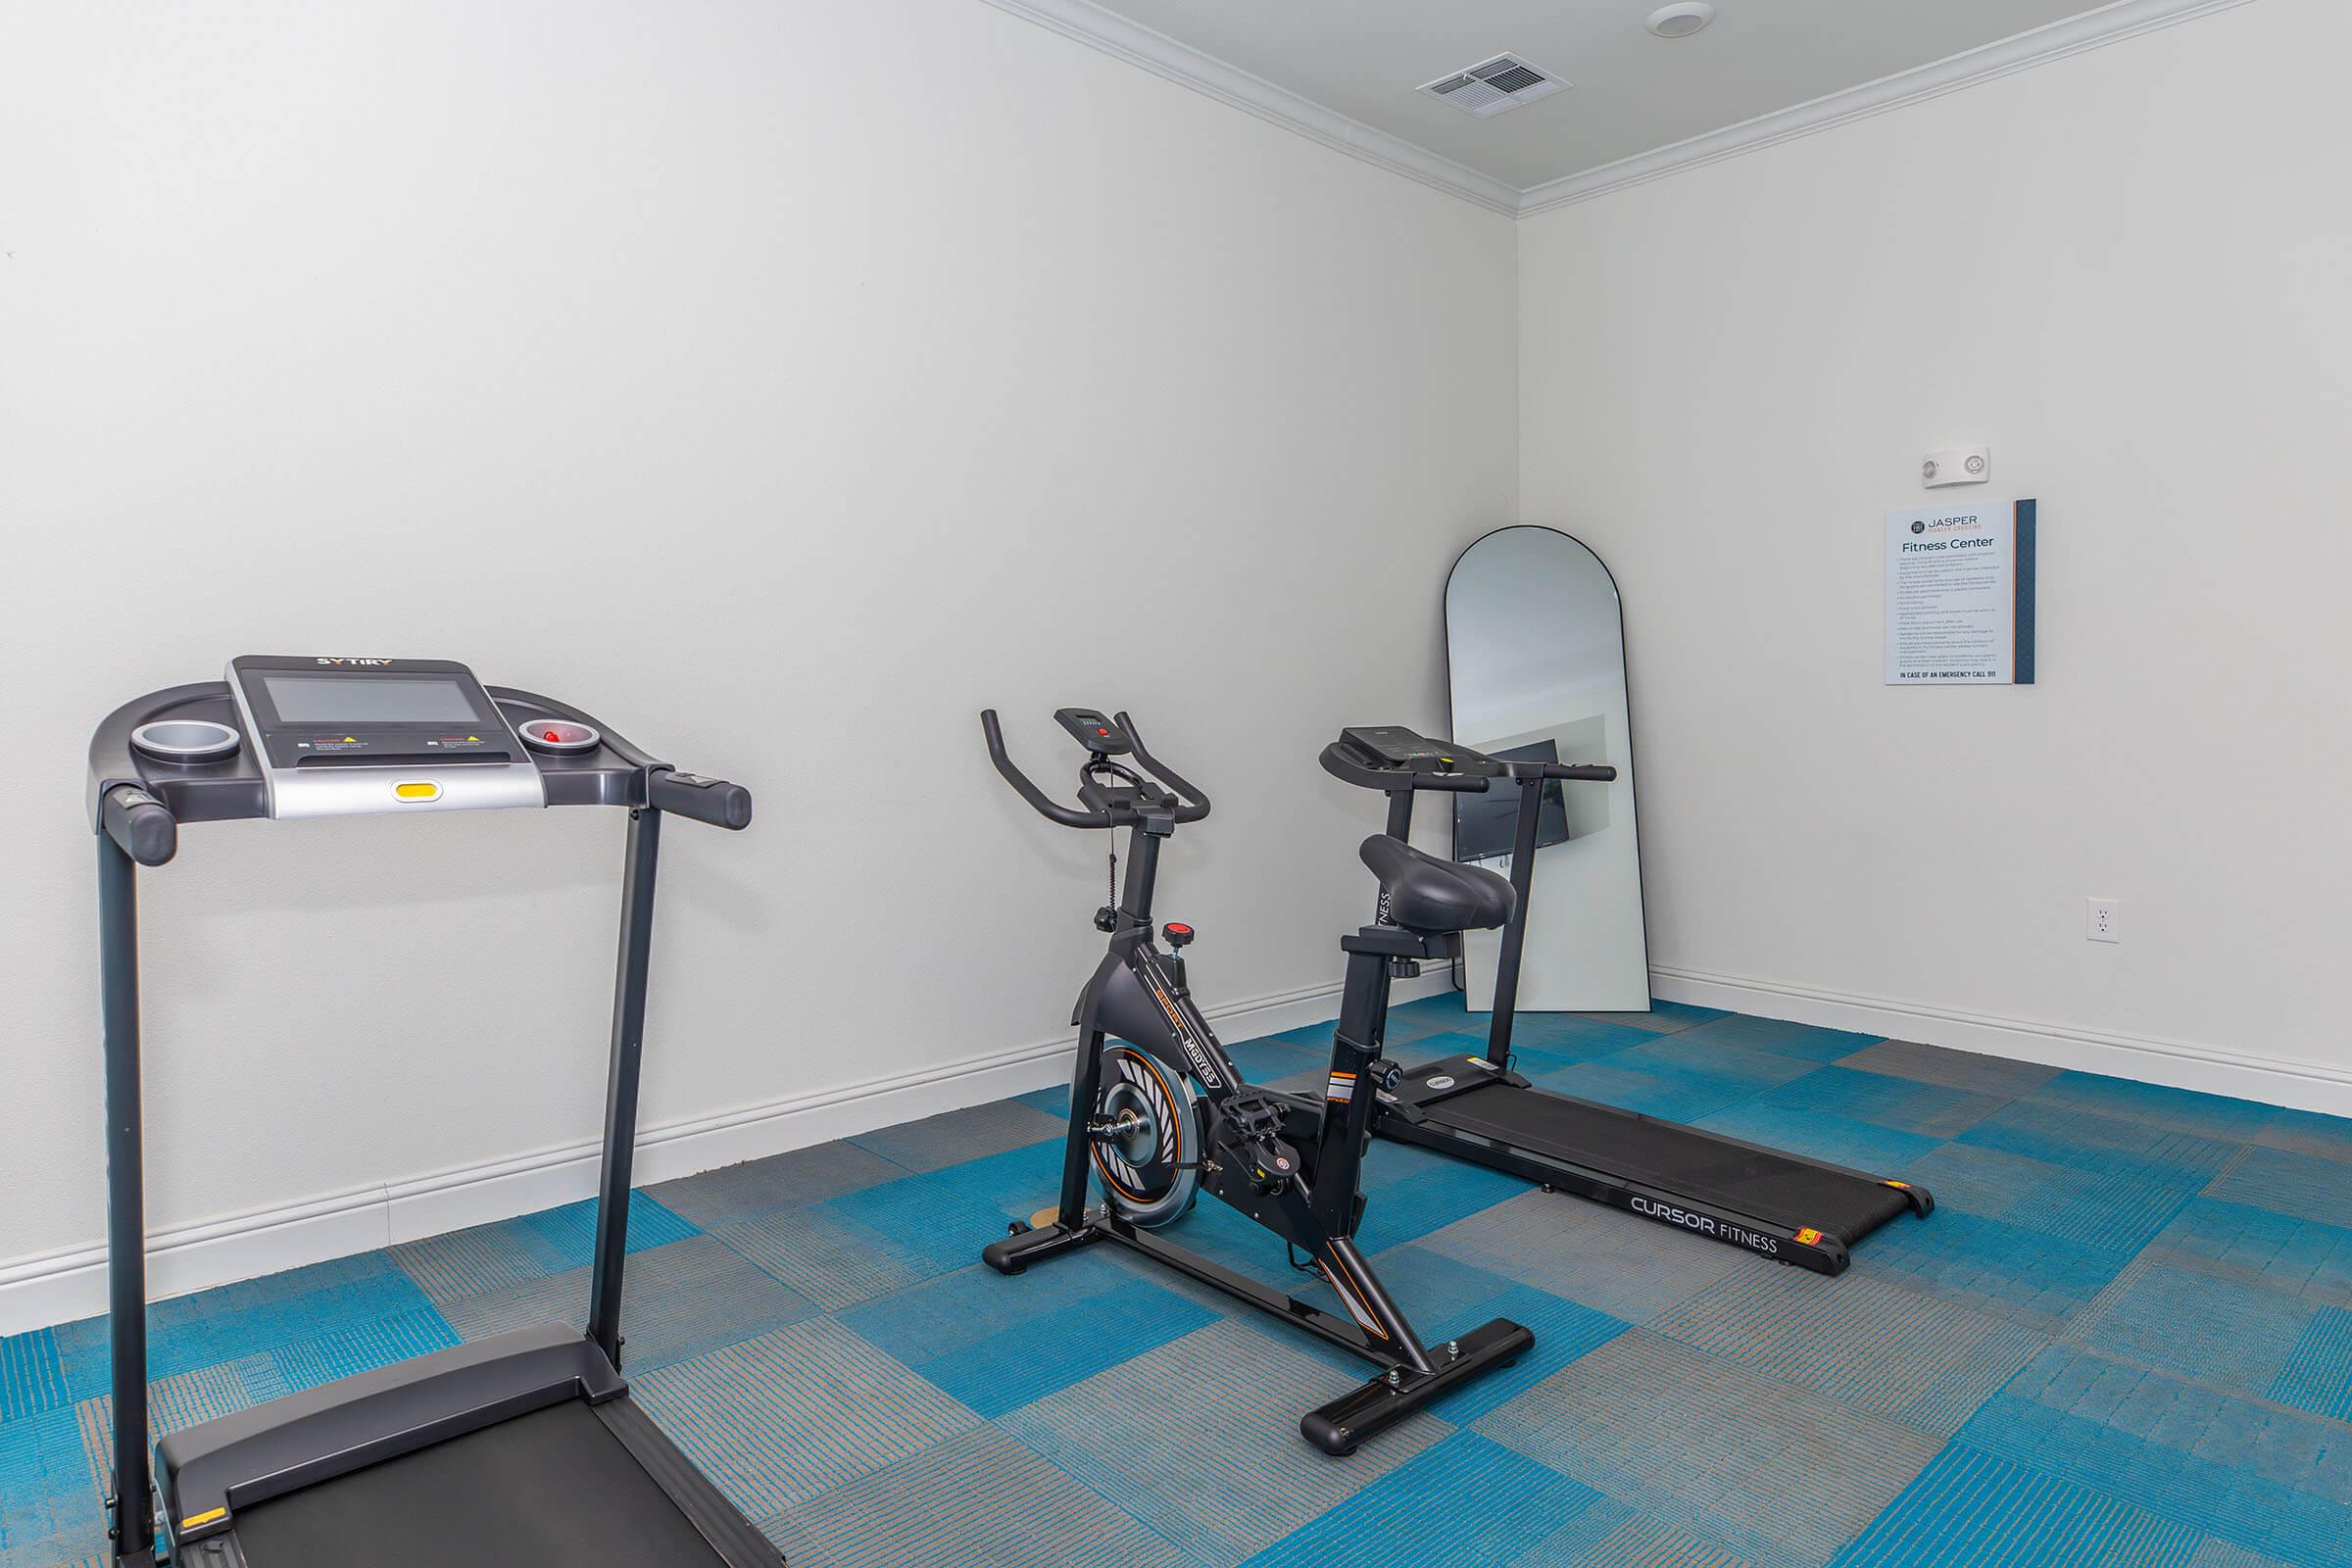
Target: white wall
2127	270
781	383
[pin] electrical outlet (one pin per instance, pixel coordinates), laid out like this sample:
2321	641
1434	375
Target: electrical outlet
2105	921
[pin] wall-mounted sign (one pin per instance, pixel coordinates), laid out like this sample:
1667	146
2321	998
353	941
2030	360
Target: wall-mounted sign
1960	596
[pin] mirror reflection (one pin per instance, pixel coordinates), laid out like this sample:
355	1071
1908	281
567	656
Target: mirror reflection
1535	671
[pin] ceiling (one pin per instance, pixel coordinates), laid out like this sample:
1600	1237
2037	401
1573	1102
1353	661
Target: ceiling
1631	92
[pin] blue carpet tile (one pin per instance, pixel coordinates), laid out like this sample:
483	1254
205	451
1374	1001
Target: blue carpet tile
2124	1338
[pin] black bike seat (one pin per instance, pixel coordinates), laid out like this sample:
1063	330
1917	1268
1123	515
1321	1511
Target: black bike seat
1432	896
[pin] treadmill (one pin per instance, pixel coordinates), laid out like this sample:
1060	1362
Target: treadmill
1777	1204
522	1449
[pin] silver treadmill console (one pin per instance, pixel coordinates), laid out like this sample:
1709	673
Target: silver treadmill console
341	737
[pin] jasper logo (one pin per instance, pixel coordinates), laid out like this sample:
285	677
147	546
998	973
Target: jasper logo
1917	526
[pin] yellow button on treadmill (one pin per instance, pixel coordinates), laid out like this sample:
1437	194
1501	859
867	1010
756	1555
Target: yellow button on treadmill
418	791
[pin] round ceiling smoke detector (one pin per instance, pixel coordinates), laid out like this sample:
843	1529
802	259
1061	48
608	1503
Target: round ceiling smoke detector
1681	21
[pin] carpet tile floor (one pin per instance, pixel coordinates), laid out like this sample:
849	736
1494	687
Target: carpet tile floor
2125	1337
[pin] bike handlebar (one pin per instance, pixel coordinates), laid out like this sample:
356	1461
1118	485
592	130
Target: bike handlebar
1192	807
1028	790
1196	804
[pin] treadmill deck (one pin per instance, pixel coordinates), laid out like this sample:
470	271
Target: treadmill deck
554	1489
1784	1206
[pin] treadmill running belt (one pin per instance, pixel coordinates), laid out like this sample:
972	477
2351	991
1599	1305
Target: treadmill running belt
1710	1171
554	1489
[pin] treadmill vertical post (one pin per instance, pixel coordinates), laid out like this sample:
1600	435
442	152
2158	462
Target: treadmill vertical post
125	1198
1514	931
620	1086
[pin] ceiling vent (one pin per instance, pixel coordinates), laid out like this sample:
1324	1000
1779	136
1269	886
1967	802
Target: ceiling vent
1491	87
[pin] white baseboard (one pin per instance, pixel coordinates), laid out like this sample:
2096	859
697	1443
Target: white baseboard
58	1286
2175	1064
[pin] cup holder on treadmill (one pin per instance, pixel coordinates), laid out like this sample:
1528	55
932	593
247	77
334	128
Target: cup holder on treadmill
559	735
185	740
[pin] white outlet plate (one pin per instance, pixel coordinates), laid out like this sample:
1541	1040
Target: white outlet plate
2103	920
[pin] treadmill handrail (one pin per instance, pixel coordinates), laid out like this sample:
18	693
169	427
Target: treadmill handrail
1591	772
1350	765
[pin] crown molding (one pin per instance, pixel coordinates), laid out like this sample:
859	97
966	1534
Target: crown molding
2110	24
1188	66
1180	62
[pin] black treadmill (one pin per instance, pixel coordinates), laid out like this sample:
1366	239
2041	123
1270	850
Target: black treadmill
522	1449
1781	1205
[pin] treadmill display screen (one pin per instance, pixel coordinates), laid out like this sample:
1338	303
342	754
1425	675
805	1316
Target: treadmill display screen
370	700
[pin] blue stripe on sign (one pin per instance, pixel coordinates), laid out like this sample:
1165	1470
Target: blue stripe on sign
2021	664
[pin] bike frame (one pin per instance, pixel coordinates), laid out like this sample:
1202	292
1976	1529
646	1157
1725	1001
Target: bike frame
1138	994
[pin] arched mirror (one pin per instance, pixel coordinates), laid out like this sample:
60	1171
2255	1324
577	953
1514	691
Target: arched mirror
1535	652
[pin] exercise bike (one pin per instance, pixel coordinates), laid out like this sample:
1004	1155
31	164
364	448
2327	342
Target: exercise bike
1161	1112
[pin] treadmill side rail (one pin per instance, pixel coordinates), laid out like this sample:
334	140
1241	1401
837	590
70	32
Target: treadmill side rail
233	1462
721	1525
